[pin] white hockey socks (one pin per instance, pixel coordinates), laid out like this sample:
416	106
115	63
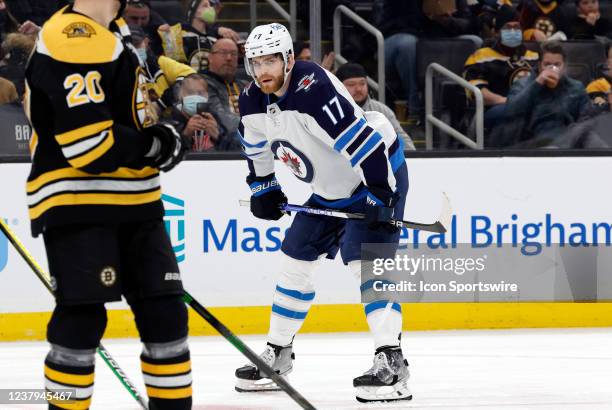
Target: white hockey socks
292	299
384	317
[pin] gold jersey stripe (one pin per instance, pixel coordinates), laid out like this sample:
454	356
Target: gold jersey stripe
95	153
183	393
165	369
33	143
72	405
65	173
94	199
83	132
67	378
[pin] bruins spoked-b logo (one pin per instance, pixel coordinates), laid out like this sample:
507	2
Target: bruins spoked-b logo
545	25
79	29
108	276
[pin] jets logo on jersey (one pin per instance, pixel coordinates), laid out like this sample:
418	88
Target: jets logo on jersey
306	82
294	159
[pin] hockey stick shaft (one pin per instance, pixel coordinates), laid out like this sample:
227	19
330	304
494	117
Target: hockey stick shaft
244	349
44	278
434	227
440	226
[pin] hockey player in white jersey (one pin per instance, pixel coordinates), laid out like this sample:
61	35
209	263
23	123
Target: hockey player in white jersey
354	161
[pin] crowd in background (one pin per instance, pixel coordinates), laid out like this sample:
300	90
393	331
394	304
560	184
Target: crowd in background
517	57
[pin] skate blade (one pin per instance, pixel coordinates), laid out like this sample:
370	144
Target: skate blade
399	391
246	386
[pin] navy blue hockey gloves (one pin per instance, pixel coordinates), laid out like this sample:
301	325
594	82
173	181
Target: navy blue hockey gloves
379	209
266	197
168	148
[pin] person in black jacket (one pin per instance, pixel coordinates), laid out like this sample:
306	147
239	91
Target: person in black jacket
36	11
401	22
588	22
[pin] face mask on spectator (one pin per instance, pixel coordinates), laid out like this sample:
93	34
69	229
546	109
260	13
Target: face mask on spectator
209	15
511	38
190	103
142	53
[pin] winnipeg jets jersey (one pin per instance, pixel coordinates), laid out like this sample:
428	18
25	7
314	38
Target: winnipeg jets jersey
321	134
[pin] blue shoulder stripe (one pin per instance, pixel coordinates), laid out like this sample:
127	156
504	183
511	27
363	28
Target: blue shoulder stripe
249	145
397	158
366	148
348	135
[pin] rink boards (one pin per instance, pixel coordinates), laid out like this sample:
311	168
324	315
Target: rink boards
229	259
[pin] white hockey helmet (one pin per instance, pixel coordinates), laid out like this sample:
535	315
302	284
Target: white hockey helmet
265	40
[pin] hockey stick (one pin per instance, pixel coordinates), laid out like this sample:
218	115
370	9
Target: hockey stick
45	279
440	226
244	349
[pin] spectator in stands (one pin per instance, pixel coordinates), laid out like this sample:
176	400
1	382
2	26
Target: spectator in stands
202	15
302	53
401	22
544	104
164	71
494	69
8	92
191	43
195	115
588	22
444	19
543	20
36	11
8	23
599	89
354	78
224	85
486	13
139	13
217	5
222	75
16	50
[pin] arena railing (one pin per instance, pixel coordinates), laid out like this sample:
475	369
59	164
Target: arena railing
378	86
291	16
431	121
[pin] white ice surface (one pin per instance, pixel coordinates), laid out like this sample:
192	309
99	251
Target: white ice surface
500	369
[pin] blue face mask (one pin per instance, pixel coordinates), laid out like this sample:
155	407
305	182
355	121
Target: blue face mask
142	53
511	38
190	103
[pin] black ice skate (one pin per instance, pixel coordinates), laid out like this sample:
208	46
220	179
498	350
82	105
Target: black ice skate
279	358
387	380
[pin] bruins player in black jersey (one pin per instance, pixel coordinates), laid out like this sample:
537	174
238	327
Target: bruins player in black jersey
94	195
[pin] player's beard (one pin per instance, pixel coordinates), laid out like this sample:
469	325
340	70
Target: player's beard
272	86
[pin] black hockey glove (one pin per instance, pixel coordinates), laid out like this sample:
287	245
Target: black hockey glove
379	209
168	148
266	197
